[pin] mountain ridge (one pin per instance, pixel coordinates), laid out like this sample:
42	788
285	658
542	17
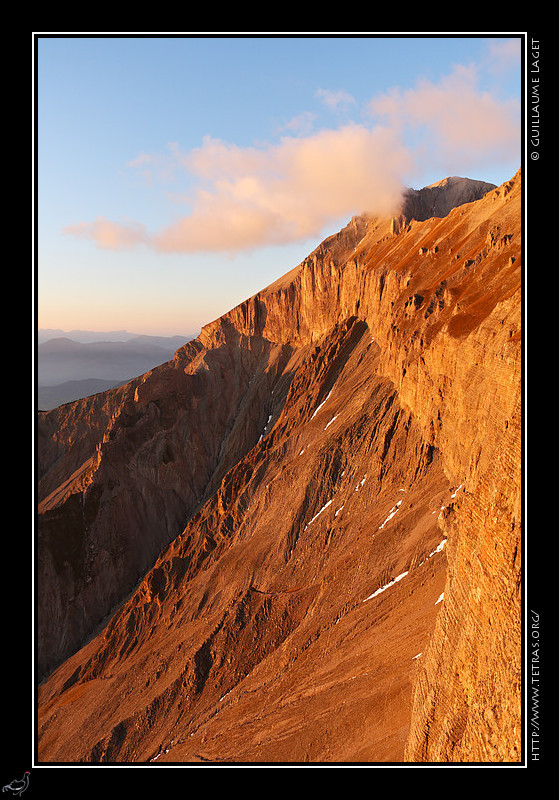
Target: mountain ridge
85	336
376	315
67	368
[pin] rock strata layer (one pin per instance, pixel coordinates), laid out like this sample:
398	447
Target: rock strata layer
299	540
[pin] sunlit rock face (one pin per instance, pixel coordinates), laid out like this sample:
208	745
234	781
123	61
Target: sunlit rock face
299	540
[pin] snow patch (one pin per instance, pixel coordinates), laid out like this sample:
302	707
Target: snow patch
162	751
319	513
393	511
331	421
386	586
265	428
437	549
359	485
320	406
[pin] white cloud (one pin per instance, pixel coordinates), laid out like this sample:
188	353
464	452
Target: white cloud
336	100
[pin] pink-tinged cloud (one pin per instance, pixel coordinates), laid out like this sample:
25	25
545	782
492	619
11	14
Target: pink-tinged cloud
109	235
253	197
505	54
335	100
460	124
243	198
288	192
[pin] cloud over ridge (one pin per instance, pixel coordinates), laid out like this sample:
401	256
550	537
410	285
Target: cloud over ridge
242	198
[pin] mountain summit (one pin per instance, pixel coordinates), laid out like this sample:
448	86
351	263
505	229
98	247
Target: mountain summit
299	539
438	199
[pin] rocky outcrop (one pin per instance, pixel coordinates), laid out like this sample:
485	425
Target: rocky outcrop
314	509
438	199
122	471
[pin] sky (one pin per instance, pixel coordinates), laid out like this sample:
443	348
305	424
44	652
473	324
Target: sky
179	175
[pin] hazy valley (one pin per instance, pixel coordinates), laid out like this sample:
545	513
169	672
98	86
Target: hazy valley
76	364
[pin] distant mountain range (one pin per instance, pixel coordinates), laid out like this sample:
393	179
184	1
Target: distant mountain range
44	334
80	363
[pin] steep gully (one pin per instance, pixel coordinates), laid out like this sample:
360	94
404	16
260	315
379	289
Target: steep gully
344	449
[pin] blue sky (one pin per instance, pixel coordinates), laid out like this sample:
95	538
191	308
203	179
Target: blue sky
177	176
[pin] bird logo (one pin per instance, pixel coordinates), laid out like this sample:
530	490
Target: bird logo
17	787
